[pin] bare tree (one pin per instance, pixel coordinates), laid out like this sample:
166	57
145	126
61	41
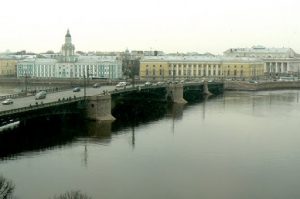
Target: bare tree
6	188
72	195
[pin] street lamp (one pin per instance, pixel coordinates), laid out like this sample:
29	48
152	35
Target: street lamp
173	73
298	72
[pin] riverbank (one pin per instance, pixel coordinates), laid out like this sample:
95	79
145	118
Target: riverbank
261	86
57	81
228	85
52	81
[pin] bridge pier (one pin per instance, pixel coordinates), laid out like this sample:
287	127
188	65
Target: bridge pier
176	93
99	108
205	88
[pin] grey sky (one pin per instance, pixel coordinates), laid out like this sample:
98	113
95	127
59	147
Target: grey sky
167	25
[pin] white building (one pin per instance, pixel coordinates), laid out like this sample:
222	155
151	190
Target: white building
277	61
69	65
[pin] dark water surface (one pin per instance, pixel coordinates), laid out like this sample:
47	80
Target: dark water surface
242	145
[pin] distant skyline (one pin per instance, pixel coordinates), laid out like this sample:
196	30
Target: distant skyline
164	25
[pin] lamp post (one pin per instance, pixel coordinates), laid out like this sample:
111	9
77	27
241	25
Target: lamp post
298	73
84	85
173	73
26	83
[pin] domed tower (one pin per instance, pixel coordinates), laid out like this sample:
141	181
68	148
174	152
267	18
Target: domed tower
67	49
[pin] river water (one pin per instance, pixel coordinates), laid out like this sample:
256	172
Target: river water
240	145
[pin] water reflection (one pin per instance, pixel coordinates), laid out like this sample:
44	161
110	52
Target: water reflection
39	134
240	138
176	111
46	133
98	130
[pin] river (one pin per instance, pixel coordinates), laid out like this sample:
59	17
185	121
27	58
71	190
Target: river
240	145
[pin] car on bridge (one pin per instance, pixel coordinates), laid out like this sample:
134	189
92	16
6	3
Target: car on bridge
253	82
121	84
76	89
41	95
7	101
96	85
147	84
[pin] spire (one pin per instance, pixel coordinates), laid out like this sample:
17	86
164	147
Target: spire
68	34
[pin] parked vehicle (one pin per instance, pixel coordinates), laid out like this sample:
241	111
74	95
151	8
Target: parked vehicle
96	85
148	84
158	83
253	81
284	79
41	95
76	89
7	101
121	84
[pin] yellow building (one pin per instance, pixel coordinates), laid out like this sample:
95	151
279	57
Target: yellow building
152	69
160	68
8	67
242	68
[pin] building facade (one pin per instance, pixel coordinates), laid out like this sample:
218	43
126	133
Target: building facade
193	67
69	65
8	67
277	61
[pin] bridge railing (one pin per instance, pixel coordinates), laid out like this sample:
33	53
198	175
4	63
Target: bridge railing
33	92
137	87
41	105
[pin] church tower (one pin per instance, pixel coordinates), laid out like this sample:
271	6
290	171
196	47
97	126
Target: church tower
67	49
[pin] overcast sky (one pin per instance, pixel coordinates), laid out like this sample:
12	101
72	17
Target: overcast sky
166	25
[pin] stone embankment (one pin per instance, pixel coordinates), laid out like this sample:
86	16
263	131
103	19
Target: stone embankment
59	81
246	86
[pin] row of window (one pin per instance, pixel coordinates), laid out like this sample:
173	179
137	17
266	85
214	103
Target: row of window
189	65
276	63
200	72
179	72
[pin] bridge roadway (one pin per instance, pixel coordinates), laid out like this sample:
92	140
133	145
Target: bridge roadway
53	97
25	103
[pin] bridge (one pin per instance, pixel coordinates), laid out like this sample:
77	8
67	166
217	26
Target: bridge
98	103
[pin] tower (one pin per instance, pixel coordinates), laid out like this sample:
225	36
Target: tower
67	49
